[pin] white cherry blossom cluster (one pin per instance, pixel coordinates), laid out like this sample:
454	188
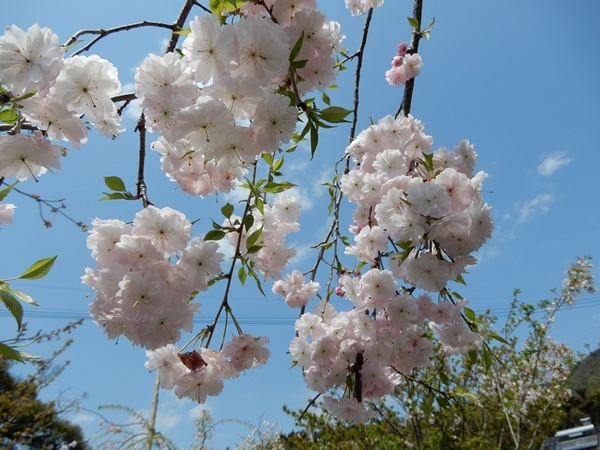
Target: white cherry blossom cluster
404	66
269	253
427	204
374	344
294	288
140	292
223	103
358	7
198	374
53	94
421	213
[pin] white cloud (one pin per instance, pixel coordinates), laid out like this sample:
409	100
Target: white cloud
133	111
197	411
539	204
237	195
82	418
552	163
167	419
302	253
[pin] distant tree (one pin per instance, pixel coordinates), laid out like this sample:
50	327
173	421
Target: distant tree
26	422
585	385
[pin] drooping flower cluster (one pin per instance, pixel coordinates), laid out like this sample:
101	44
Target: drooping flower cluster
223	104
264	243
295	290
404	67
52	93
199	374
429	205
422	214
140	293
376	342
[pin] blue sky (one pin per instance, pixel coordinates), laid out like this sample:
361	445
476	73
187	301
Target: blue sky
518	79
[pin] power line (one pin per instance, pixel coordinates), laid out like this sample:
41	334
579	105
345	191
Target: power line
258	319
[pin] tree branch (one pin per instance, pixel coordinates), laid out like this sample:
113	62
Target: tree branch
101	33
360	54
141	184
414	48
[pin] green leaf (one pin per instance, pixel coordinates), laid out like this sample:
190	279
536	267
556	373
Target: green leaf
335	114
184	32
117	196
461	280
254	249
4	191
115	184
242	275
473	356
11	302
444	378
10	353
278	164
462	392
215	235
414	23
268	158
486	358
26	96
227	210
260	206
499	338
248	221
297	47
314	139
221	8
428	161
253	238
443	402
276	188
326	99
470	314
8	116
38	269
300	64
25	298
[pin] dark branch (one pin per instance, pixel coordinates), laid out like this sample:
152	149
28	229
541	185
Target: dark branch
414	48
141	184
360	53
103	33
178	25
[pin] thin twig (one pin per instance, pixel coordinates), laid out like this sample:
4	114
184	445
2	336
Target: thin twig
101	33
229	276
360	55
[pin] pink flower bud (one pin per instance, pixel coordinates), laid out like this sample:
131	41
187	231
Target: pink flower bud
402	48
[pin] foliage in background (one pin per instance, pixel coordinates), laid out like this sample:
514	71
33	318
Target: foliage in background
26	422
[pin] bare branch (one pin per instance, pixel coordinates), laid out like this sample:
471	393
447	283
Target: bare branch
101	33
141	184
178	25
360	54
